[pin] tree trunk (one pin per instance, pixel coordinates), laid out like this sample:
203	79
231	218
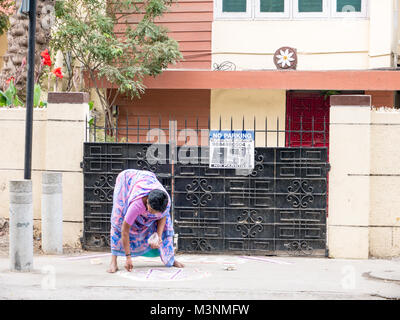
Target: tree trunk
17	37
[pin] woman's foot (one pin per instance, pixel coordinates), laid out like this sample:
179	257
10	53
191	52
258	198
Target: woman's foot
177	264
113	268
113	265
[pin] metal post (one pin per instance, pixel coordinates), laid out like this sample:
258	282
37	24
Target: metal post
29	90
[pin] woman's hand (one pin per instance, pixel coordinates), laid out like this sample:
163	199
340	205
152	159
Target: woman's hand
156	246
128	264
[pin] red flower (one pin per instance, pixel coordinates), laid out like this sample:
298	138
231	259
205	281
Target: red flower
46	58
9	80
57	72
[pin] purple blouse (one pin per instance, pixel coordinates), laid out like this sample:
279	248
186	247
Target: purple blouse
135	208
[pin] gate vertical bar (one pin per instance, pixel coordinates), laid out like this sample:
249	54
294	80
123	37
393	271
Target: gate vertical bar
255	131
127	130
94	129
116	128
266	131
301	130
105	132
277	132
138	126
86	129
312	132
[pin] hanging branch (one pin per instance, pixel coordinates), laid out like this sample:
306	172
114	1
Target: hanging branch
121	58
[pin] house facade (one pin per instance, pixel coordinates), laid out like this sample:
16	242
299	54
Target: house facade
273	65
266	59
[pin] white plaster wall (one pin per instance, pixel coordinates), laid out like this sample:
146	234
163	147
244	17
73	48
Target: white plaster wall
322	44
326	45
382	33
58	135
251	105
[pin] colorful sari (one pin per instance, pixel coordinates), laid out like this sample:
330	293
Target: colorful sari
132	185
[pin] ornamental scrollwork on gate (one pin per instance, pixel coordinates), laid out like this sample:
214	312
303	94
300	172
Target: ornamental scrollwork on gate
299	248
300	194
200	245
104	188
143	159
258	164
249	224
98	240
199	191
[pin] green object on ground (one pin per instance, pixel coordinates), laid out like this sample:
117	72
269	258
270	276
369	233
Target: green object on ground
152	253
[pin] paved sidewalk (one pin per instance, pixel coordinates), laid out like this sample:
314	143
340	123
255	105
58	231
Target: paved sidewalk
205	277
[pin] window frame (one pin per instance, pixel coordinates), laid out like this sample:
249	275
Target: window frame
362	14
273	15
324	14
291	12
219	14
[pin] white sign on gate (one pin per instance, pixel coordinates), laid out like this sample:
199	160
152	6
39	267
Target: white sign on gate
232	149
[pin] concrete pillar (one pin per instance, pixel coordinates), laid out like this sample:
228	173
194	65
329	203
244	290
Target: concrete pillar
21	225
65	135
349	177
52	213
384	230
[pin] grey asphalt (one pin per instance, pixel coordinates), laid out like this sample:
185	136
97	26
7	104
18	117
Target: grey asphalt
205	277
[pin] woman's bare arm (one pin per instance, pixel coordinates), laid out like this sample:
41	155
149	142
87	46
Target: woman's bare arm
160	226
125	237
125	242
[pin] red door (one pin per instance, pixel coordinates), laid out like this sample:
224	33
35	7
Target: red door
307	119
307	122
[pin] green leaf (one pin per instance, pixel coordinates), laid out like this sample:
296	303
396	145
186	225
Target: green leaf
12	88
5	101
9	94
91	105
36	95
17	101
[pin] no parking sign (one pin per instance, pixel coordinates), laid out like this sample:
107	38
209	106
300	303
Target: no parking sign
232	149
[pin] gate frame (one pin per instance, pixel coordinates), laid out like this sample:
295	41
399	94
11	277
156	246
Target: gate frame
173	143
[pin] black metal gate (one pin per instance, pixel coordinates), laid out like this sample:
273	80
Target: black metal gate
278	208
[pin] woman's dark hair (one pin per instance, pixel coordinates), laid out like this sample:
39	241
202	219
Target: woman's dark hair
158	200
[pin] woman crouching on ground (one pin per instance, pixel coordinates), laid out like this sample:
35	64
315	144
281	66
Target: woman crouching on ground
141	208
